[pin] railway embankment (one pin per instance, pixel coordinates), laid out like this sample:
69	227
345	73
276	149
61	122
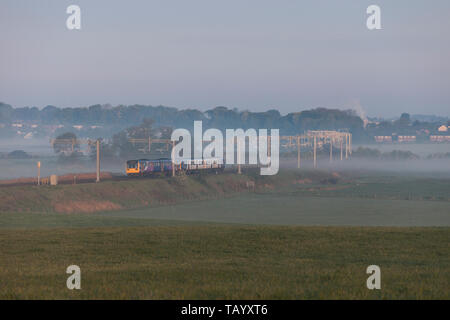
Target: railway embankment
143	192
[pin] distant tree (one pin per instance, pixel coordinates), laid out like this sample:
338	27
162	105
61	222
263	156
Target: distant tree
70	158
405	120
6	112
143	131
399	155
122	146
368	153
18	154
6	131
164	132
106	151
66	143
135	121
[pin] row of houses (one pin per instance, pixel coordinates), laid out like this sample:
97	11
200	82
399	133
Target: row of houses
388	139
29	130
440	138
51	127
409	139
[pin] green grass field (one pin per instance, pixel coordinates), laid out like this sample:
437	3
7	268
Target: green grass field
302	236
282	209
225	262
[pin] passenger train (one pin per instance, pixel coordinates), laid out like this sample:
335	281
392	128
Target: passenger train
146	167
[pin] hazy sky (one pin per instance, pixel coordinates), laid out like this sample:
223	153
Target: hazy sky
249	54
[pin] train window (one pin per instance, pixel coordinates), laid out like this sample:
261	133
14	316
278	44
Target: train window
132	164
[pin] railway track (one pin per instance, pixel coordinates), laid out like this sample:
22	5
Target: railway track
82	178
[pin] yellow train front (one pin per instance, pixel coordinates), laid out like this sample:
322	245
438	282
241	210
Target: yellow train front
146	167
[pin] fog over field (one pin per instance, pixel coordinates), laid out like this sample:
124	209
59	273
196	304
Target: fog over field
32	146
421	149
439	168
26	168
41	150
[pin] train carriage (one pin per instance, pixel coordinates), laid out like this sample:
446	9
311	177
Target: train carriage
146	167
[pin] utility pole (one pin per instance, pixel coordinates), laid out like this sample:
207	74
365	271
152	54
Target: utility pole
315	152
39	173
346	146
342	151
98	161
331	150
350	146
298	152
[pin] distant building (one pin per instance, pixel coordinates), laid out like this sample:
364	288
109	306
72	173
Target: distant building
439	138
383	138
443	128
423	132
406	138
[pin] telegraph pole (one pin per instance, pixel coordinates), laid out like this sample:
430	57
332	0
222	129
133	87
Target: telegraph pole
331	150
39	173
346	146
98	161
315	152
350	146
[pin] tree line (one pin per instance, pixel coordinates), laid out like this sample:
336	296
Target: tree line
114	119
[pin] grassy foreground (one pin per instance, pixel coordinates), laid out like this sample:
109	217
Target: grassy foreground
225	262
